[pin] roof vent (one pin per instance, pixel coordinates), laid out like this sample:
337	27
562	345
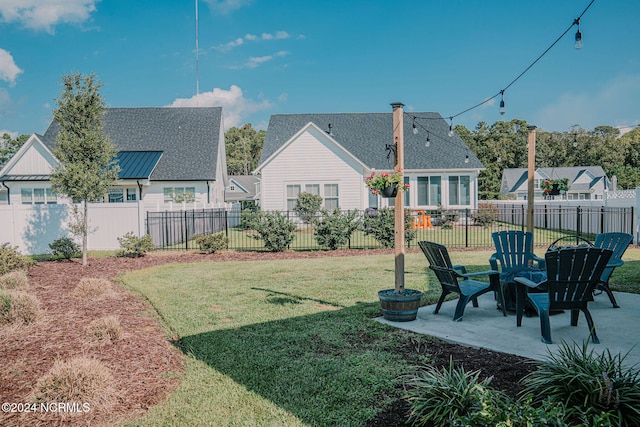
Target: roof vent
329	131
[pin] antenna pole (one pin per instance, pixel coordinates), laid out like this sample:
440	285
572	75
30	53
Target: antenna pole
197	77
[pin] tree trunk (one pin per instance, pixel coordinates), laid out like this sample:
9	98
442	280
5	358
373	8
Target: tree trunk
85	231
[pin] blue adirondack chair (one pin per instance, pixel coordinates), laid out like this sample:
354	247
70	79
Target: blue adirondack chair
618	243
455	279
514	255
572	275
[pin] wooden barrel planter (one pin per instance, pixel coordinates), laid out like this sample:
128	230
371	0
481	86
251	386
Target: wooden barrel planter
400	307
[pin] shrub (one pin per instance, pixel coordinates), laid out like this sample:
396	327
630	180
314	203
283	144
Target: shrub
105	330
307	206
93	288
446	217
64	247
82	380
210	243
133	246
438	397
486	215
333	229
11	260
274	229
18	307
592	387
14	280
380	226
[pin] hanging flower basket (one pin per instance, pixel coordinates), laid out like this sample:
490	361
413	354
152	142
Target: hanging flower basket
390	191
553	187
386	184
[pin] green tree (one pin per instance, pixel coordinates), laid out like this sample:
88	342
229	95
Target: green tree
87	165
244	147
10	146
307	206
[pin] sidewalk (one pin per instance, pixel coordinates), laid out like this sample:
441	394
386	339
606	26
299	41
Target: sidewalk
485	327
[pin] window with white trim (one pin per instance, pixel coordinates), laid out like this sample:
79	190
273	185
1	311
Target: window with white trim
429	190
38	196
331	197
459	190
173	193
292	195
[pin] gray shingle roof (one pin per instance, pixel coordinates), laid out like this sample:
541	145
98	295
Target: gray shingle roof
188	138
515	177
365	135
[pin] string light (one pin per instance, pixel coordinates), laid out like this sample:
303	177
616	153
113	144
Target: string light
450	126
578	44
428	143
415	128
466	157
502	111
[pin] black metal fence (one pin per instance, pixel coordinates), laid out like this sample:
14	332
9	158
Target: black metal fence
460	229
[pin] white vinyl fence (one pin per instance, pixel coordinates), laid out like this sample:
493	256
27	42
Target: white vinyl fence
32	227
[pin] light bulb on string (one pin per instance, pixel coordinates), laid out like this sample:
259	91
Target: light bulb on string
575	141
466	158
578	44
415	128
428	143
450	126
502	110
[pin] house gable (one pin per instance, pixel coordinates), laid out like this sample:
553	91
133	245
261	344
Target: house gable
32	159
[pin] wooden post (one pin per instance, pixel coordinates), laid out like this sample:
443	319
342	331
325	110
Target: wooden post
531	139
398	224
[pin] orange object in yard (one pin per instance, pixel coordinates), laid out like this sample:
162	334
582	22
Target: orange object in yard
423	221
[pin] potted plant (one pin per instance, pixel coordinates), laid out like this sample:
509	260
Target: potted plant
553	187
386	184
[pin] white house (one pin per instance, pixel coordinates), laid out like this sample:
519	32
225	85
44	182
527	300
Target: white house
585	182
162	153
331	154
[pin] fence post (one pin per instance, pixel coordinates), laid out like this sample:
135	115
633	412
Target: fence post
578	221
466	229
522	225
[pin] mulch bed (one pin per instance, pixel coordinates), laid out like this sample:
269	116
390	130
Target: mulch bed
141	361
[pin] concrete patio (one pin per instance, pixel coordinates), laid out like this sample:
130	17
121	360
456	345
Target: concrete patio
485	327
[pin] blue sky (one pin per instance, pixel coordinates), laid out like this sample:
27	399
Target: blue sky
257	58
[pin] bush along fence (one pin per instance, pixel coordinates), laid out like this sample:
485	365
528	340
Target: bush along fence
252	230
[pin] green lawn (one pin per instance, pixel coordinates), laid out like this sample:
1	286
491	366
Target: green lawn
290	342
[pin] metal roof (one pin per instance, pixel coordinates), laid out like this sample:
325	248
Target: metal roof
25	178
137	164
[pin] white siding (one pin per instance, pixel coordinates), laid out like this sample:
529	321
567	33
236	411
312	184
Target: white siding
312	159
34	161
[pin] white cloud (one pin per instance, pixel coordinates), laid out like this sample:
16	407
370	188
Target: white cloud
235	107
46	14
256	61
615	103
9	71
227	6
279	35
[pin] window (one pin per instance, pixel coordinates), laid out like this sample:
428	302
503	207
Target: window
407	199
292	196
429	190
132	196
179	194
38	196
331	196
312	188
459	190
116	195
